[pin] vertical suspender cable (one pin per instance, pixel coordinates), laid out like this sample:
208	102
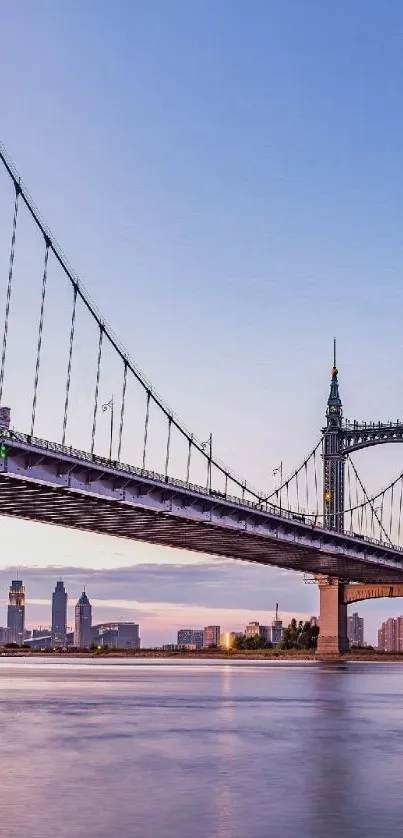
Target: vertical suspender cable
306	486
40	330
168	446
226	485
316	483
400	510
9	287
361	519
374	521
189	458
94	418
356	490
122	410
296	480
381	521
349	492
146	428
68	379
365	512
374	515
209	461
391	512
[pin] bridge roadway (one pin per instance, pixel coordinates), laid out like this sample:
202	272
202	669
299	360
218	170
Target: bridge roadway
46	482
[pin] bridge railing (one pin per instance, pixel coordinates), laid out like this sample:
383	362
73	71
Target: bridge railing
349	425
264	506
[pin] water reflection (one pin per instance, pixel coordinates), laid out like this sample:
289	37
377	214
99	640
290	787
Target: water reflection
179	751
223	799
333	769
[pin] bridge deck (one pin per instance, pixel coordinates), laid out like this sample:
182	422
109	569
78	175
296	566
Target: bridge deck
44	482
53	505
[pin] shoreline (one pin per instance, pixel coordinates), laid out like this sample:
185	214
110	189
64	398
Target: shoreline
265	655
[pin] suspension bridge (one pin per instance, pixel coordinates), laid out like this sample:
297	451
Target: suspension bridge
149	477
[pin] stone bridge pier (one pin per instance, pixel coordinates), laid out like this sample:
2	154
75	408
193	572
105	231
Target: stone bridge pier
334	596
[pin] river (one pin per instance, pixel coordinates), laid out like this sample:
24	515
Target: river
172	749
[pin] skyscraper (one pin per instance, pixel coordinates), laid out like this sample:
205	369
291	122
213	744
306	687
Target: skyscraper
211	636
59	615
355	630
381	637
16	613
391	644
390	635
83	622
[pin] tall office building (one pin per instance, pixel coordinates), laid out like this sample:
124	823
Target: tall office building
391	644
59	615
355	630
211	636
390	635
83	622
381	638
190	638
16	613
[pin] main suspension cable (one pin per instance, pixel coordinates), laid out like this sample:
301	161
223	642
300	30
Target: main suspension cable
9	286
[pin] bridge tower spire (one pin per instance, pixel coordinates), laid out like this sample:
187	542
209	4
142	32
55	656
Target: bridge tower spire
333	458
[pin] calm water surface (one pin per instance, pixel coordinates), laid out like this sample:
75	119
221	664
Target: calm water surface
173	749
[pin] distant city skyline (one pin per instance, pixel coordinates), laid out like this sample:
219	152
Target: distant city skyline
195	636
160	621
198	634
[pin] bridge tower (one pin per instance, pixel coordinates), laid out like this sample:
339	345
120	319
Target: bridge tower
333	610
333	458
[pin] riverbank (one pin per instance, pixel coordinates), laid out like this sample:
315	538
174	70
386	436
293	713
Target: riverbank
209	654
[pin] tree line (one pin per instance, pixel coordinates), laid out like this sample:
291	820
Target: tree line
297	635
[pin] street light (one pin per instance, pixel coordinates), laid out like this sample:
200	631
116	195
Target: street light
105	407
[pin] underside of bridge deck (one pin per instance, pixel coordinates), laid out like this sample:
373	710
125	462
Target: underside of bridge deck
80	510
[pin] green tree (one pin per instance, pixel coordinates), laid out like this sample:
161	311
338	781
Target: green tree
251	643
300	636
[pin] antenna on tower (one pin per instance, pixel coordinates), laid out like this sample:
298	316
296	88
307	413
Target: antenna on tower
334	353
276	610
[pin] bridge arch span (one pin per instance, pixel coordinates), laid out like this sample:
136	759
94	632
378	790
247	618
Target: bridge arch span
357	436
358	446
359	592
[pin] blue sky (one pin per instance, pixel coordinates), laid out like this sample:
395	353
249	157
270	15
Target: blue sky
227	179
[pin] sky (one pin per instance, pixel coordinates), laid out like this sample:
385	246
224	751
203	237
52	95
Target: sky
227	180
